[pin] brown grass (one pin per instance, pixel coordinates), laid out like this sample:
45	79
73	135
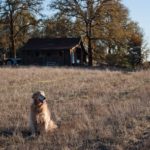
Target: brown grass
107	110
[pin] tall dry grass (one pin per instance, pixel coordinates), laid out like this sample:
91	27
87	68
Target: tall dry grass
107	110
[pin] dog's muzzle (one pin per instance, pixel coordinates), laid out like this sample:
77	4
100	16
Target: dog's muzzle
41	98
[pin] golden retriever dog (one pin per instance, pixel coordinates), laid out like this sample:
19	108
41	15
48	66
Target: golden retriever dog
40	117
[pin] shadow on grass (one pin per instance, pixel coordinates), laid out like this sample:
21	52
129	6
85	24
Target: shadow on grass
5	132
9	132
93	144
57	140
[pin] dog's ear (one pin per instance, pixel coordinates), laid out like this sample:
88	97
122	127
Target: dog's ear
34	95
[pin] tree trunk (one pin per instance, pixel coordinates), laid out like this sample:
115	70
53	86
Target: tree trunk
88	35
90	58
12	40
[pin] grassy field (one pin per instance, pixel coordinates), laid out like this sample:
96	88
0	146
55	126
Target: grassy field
95	110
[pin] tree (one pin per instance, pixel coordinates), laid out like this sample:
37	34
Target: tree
18	16
113	33
110	32
3	36
58	26
135	42
84	10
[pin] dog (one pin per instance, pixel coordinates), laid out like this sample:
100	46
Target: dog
40	117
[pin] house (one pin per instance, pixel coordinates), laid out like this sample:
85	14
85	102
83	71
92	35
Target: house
53	51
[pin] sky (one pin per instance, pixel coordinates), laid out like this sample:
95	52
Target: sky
139	11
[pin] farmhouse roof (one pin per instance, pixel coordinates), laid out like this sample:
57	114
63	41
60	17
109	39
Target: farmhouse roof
51	43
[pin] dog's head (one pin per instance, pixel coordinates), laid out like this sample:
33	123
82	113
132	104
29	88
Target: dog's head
39	97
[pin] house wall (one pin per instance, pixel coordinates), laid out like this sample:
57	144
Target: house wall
46	58
78	57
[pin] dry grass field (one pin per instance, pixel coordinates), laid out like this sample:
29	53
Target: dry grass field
95	110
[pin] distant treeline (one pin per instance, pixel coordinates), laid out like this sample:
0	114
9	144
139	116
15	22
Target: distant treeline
109	35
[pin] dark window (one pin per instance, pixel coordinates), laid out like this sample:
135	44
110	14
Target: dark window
37	54
61	53
49	54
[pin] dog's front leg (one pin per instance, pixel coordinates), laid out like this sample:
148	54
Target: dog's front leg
32	124
33	129
46	126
